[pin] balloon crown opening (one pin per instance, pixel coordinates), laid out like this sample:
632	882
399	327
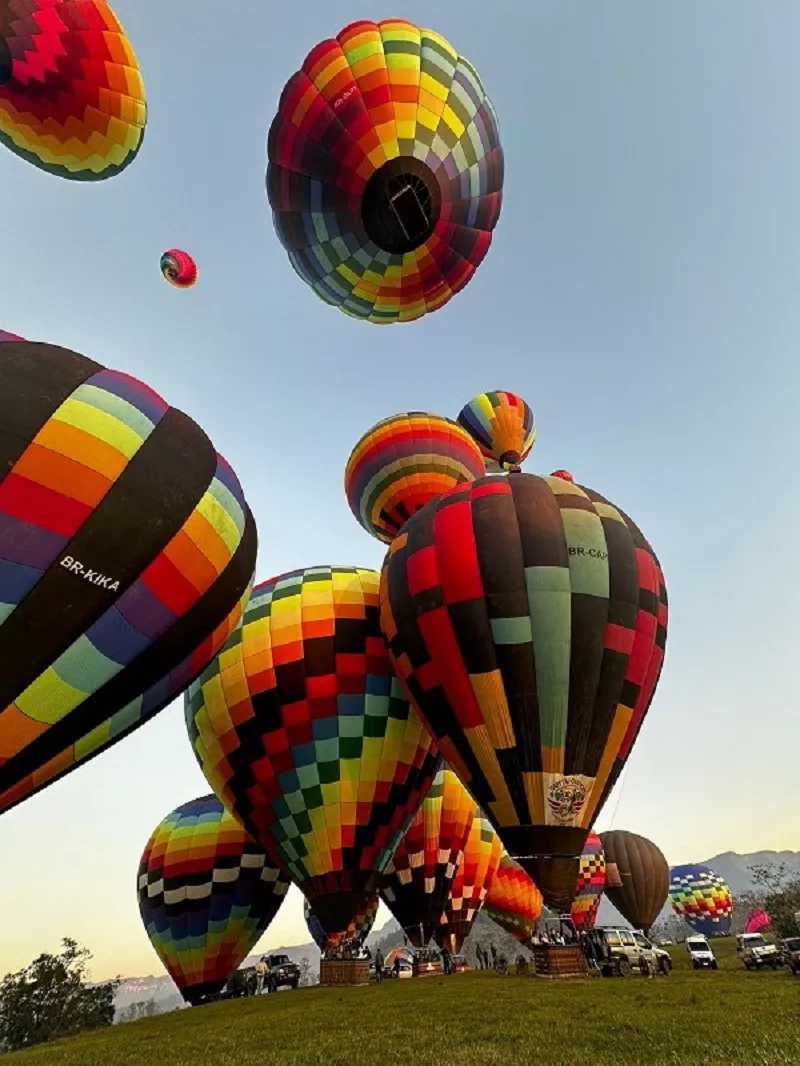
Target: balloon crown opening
401	205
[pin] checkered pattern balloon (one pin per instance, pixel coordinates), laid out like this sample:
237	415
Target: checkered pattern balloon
527	617
350	941
503	426
472	881
71	94
513	900
206	895
418	879
701	898
304	732
126	551
402	463
591	882
385	171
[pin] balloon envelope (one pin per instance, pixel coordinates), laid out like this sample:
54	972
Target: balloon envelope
756	921
352	939
513	900
503	426
418	879
304	732
402	463
126	549
701	898
179	268
472	881
527	617
206	895
385	171
637	877
71	94
590	885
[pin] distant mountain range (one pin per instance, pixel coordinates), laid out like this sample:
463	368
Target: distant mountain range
729	865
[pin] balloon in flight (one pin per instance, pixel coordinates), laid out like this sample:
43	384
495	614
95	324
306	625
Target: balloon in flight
503	426
179	268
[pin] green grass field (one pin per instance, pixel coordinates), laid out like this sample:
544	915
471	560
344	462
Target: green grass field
722	1018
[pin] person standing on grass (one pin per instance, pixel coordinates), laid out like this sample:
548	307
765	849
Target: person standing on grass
378	964
261	973
494	956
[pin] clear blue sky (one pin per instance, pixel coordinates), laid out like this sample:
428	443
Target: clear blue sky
642	292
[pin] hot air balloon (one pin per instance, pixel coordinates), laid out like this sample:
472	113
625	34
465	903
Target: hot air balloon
126	551
527	617
179	268
206	895
342	944
385	171
503	426
304	732
402	463
71	94
417	882
701	898
513	900
472	881
591	882
637	877
756	921
9	336
563	474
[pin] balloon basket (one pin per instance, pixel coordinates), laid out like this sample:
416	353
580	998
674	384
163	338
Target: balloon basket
559	961
427	968
338	972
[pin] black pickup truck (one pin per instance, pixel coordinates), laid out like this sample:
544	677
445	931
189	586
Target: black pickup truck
281	973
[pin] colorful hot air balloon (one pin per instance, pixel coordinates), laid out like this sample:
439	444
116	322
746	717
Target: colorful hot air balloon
472	881
206	895
417	882
126	550
527	617
590	885
9	336
701	898
402	463
513	900
563	474
637	877
179	268
71	94
756	921
503	426
304	732
343	943
385	171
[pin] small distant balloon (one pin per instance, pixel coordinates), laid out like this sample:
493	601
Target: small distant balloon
502	425
179	268
563	474
9	336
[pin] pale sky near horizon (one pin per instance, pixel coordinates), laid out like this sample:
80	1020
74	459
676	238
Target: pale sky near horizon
642	292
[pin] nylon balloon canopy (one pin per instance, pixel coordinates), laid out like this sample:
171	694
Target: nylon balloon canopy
702	898
303	731
351	940
207	893
126	550
179	268
472	881
527	618
402	463
590	884
385	171
71	94
513	900
637	877
503	426
418	879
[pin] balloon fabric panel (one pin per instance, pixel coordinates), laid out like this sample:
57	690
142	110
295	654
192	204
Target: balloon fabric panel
340	945
206	895
178	268
503	426
385	171
591	882
419	877
637	877
126	551
513	900
303	731
527	618
472	881
402	463
701	898
71	94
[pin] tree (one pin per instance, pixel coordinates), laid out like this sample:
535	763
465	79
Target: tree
142	1008
671	928
781	896
51	998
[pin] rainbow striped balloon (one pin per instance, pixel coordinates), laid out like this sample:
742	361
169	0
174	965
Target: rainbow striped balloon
503	426
472	882
71	93
385	171
402	463
513	900
207	893
126	555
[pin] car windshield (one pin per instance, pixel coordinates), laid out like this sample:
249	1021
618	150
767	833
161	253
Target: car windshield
793	945
699	945
641	941
755	942
279	960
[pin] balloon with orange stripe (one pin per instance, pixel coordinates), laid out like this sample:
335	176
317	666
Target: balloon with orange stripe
513	900
472	882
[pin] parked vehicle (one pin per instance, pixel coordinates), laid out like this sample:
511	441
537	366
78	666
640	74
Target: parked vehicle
790	952
615	951
756	952
700	954
281	973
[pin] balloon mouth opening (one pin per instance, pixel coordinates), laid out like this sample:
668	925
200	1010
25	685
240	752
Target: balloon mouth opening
401	205
511	461
6	63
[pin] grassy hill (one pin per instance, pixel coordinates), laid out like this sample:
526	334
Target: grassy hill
724	1018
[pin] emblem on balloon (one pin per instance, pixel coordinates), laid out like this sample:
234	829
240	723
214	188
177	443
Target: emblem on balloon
566	798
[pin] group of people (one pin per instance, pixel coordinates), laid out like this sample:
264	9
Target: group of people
483	957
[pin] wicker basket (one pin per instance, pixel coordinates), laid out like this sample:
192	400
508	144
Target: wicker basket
559	960
344	972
